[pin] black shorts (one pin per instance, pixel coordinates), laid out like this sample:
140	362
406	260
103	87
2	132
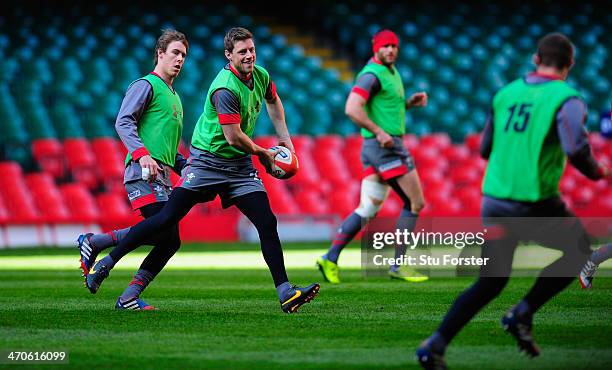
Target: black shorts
388	163
142	193
211	175
552	207
547	222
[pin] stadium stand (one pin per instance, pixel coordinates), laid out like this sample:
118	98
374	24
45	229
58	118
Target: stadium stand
466	52
58	101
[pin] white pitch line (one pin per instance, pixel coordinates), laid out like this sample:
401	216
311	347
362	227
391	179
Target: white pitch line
525	257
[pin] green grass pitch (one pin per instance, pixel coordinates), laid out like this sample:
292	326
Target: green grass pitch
231	319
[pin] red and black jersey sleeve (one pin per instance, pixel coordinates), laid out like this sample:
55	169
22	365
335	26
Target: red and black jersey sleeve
271	92
227	106
367	86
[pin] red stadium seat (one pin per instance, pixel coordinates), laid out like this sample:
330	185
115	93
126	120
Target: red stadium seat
115	212
430	174
436	186
113	205
600	186
281	200
457	154
330	163
17	197
81	161
304	146
582	197
470	198
302	143
572	172
604	158
567	184
311	202
329	142
47	198
79	153
438	163
49	155
411	141
438	140
21	207
352	155
598	142
10	170
437	193
442	203
608	149
604	202
353	141
80	203
472	142
450	208
122	150
464	176
110	161
4	215
335	172
308	174
352	159
342	203
598	207
105	147
480	164
469	195
426	156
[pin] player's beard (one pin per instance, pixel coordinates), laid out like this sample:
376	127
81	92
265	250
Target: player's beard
247	68
388	61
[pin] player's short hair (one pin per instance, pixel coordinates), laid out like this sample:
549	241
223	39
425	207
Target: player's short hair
235	34
556	50
167	37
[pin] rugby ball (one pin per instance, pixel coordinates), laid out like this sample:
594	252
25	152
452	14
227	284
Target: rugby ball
285	163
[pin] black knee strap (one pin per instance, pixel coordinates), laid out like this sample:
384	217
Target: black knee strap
398	189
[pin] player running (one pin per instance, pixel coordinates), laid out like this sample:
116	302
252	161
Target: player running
378	105
150	124
535	122
220	164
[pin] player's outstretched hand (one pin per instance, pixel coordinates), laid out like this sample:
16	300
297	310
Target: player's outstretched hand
418	99
149	163
266	157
